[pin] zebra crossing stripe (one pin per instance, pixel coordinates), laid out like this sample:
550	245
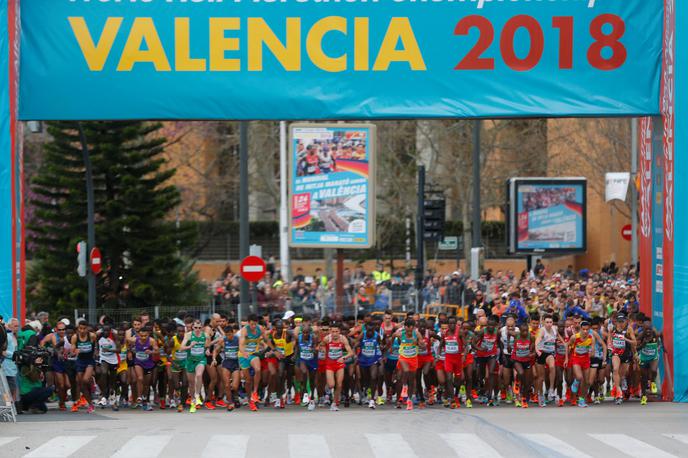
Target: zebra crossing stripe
7	440
679	437
308	446
143	447
226	446
470	446
556	445
389	446
60	447
631	446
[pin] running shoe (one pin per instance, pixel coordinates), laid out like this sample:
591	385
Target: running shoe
653	388
502	395
347	401
334	408
63	407
252	405
533	398
421	405
452	405
277	403
560	402
404	392
599	399
75	408
398	404
457	402
524	403
230	407
490	403
541	401
82	401
297	399
115	408
209	405
180	408
643	401
446	403
221	403
619	401
198	401
517	388
380	400
192	408
162	404
624	385
582	403
147	407
517	402
306	399
409	405
551	395
173	404
311	405
474	393
255	397
102	403
469	404
90	408
509	397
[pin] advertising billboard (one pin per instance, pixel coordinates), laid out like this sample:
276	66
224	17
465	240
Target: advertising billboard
332	185
547	215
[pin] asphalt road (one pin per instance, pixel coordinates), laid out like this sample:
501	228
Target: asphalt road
659	430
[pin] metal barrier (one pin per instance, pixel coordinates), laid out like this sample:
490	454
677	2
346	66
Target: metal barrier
449	309
7	409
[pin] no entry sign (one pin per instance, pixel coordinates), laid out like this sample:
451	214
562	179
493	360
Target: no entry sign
627	232
252	268
96	261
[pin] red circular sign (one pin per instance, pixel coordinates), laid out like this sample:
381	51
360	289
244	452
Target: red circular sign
252	268
627	232
96	261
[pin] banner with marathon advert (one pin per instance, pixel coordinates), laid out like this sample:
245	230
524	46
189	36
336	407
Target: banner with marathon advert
547	214
332	186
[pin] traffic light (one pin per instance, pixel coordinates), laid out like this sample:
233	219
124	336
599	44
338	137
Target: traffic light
82	258
433	218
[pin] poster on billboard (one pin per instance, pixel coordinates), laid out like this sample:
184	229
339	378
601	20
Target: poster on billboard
547	215
332	185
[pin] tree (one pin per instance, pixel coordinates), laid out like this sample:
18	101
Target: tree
141	261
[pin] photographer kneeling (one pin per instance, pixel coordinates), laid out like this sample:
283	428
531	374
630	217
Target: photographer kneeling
31	384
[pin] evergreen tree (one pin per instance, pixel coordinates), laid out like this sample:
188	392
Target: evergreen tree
142	265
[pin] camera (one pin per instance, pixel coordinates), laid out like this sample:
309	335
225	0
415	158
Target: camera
28	356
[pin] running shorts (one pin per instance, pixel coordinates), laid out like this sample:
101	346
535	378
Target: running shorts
245	363
58	366
485	359
453	364
82	364
542	359
506	361
439	365
470	359
391	365
334	366
147	370
322	366
582	361
311	364
596	363
191	364
411	362
178	365
230	364
425	359
524	364
368	362
646	364
265	362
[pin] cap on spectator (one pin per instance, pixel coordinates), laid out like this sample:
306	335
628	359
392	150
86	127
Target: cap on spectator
288	314
65	321
456	273
620	316
533	291
36	325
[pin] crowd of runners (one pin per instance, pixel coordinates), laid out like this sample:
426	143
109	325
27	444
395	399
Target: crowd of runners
550	356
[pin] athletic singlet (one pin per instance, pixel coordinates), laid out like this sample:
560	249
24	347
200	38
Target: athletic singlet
598	350
438	351
334	351
122	359
231	347
107	349
59	353
312	164
452	345
408	347
561	348
370	347
507	341
488	346
521	351
281	344
161	349
85	348
581	346
618	341
306	350
425	349
252	340
548	341
649	352
393	352
197	343
177	354
143	359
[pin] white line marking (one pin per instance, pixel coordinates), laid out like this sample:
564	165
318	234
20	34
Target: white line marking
252	268
389	446
60	447
143	447
308	446
631	446
226	446
7	440
470	445
556	445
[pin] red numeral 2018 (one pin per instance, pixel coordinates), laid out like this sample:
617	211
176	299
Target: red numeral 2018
474	59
